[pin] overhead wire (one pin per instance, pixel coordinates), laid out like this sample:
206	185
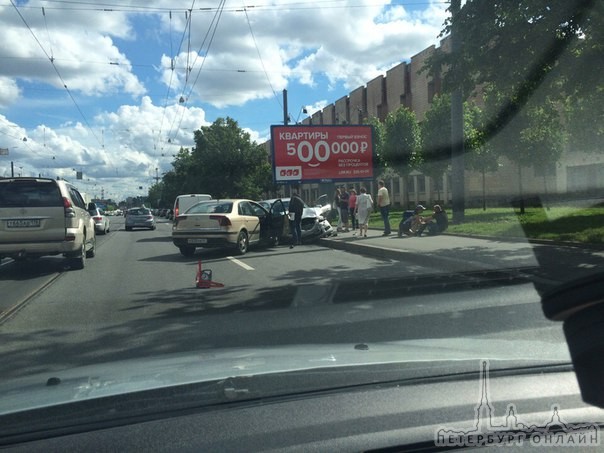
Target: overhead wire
211	32
247	18
172	69
70	94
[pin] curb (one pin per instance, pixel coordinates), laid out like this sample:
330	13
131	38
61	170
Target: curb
374	251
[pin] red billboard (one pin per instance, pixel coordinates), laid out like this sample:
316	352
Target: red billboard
321	153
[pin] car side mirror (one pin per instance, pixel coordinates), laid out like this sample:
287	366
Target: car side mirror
579	304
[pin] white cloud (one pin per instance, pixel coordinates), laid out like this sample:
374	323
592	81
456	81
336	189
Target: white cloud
9	91
79	45
126	118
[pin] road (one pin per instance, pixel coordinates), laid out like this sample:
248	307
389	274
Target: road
138	298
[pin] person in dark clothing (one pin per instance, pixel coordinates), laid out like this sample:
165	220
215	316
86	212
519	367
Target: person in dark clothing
296	207
436	223
411	225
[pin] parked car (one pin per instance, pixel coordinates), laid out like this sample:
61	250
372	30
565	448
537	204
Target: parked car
139	218
102	224
237	223
42	216
314	224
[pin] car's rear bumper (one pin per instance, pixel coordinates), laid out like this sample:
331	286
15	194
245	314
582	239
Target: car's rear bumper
140	225
37	249
221	239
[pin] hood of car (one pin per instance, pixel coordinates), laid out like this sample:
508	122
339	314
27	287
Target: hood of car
124	377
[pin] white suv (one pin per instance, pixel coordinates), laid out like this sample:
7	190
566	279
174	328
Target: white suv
41	216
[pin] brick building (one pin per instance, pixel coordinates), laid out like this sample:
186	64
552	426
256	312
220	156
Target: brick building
405	85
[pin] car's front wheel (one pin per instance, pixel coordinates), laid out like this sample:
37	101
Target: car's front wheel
242	243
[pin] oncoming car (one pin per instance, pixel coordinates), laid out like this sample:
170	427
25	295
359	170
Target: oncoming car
234	223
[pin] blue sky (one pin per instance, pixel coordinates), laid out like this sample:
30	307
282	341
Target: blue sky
114	88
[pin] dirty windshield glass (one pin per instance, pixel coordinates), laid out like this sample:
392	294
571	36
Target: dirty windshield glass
442	163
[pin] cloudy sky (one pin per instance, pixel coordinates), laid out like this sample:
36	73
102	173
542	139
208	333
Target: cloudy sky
113	88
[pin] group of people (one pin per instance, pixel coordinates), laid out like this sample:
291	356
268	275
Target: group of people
354	208
357	208
416	224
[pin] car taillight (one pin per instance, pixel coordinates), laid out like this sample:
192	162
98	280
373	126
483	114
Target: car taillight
222	220
69	211
176	209
97	218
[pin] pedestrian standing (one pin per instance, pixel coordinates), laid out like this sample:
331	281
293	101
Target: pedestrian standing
344	197
296	207
336	203
364	207
384	206
352	204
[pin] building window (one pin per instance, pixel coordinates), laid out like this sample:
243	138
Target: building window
411	184
421	184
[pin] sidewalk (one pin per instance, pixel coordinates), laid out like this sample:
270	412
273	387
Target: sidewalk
453	253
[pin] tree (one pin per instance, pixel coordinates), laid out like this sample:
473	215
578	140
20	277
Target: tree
531	58
401	144
533	137
435	130
225	162
379	134
480	156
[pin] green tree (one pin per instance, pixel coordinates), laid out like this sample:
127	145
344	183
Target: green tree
435	155
379	134
226	163
532	138
534	59
401	145
480	156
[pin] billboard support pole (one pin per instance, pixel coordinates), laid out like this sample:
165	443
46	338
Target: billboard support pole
285	115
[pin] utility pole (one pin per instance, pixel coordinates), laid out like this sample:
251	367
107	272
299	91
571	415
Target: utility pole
285	114
457	136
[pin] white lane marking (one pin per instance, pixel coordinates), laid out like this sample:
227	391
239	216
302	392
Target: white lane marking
241	263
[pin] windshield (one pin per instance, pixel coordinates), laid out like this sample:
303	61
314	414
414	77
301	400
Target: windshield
452	156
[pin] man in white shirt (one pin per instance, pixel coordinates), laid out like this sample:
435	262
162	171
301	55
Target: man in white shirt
383	201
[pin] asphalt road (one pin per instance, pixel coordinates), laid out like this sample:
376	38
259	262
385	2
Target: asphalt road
138	298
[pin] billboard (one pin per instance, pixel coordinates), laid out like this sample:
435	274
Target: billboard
321	153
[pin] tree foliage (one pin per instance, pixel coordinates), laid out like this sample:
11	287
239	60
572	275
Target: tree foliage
224	163
436	138
401	141
529	56
379	134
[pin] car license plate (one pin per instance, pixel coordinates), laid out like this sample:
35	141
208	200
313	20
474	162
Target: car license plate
23	223
197	241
